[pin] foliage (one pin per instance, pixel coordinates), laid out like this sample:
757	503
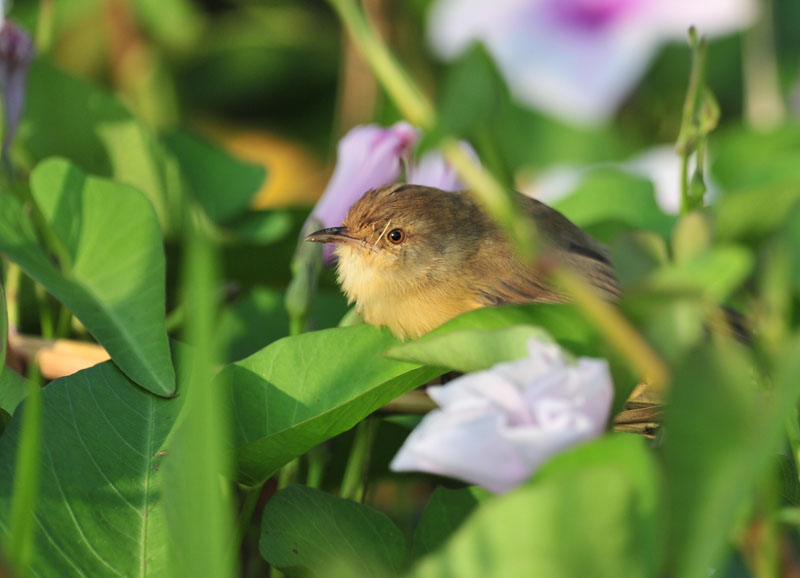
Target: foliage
219	432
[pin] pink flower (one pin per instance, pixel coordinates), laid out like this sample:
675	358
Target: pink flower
577	59
371	156
494	428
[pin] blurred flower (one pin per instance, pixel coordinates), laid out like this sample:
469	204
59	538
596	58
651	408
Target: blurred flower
16	55
494	428
660	165
577	59
371	156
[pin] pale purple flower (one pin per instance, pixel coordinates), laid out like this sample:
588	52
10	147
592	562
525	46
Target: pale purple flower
494	428
577	59
371	156
433	171
367	157
16	55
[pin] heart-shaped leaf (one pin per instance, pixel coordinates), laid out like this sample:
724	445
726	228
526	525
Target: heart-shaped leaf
98	133
302	390
306	532
115	281
98	511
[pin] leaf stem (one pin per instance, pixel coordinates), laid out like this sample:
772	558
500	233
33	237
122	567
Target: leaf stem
355	473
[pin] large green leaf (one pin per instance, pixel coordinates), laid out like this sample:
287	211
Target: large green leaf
592	512
722	437
470	350
306	532
222	184
302	390
444	514
115	281
66	116
99	510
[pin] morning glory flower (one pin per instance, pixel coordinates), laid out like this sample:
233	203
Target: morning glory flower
494	428
16	55
577	59
371	156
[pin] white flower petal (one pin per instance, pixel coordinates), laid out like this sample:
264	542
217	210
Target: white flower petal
496	427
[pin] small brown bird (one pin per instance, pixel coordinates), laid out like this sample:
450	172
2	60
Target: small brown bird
412	257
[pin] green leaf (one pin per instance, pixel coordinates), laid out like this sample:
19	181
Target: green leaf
469	350
115	284
223	184
3	329
592	512
444	514
563	322
99	134
306	532
610	201
722	437
302	390
747	158
714	273
98	511
755	213
13	389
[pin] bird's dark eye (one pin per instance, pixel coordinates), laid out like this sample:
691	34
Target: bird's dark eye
396	236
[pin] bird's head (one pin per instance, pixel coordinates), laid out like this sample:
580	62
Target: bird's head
401	237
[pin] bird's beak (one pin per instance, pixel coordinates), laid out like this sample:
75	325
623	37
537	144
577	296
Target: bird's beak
333	235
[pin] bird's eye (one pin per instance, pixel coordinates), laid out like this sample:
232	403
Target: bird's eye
396	236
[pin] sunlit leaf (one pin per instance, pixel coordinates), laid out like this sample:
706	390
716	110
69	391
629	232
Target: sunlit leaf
302	390
99	510
115	283
485	347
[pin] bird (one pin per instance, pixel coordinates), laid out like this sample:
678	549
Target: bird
412	257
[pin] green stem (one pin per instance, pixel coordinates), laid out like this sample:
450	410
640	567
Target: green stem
764	105
46	321
355	473
44	26
401	89
246	512
288	473
13	279
27	472
317	458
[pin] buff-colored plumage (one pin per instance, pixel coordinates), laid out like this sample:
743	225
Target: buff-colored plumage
452	258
